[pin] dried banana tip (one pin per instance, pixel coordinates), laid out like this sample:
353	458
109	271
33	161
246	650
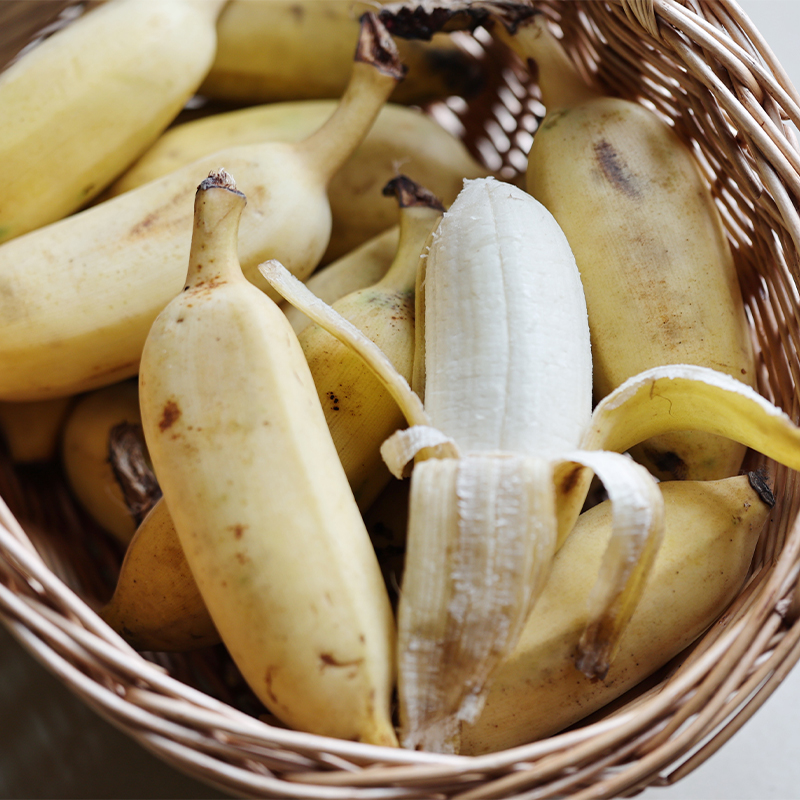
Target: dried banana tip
219	179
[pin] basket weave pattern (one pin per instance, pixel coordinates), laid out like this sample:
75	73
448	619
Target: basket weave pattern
703	67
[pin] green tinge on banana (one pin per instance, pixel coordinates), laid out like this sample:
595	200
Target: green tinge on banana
401	139
83	104
711	530
77	297
260	502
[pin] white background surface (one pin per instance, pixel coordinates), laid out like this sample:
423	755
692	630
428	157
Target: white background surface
51	745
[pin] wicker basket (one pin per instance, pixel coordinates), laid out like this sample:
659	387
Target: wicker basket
702	65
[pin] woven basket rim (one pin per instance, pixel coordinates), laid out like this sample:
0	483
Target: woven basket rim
728	674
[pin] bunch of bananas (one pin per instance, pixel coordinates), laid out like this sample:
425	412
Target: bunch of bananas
325	295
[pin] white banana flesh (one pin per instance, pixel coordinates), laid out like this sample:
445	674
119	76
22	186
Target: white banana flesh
260	502
512	371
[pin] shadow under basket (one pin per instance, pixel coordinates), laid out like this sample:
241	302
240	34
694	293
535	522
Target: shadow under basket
704	67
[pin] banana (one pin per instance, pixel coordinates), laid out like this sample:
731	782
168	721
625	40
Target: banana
83	104
77	297
502	410
711	531
400	140
647	237
85	455
358	269
261	504
156	604
32	431
359	411
272	50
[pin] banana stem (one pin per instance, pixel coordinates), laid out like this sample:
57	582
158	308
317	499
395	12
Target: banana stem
302	298
376	71
420	212
217	230
560	83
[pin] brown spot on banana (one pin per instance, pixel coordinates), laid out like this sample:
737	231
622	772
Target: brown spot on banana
329	660
169	415
616	170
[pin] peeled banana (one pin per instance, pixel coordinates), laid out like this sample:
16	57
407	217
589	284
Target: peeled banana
300	49
78	296
263	510
83	104
499	310
400	140
711	531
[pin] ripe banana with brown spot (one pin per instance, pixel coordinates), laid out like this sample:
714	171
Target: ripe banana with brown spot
300	49
647	237
77	297
84	103
262	507
400	140
711	531
358	410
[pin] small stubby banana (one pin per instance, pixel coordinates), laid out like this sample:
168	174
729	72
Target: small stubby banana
156	604
272	50
648	238
711	529
85	455
83	104
32	431
360	412
358	269
259	499
400	140
77	297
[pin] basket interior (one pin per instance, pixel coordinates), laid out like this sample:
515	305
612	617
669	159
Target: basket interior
707	72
